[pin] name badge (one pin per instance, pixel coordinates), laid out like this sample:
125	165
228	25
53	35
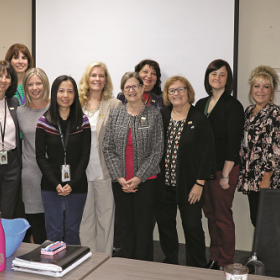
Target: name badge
3	157
65	173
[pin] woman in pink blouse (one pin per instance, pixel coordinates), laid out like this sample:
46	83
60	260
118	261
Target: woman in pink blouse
260	149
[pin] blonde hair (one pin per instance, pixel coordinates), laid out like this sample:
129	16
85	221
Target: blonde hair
107	91
171	81
266	74
44	78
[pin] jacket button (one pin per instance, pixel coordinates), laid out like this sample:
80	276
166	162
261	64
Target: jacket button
211	176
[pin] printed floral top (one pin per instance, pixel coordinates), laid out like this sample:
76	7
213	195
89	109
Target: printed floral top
262	152
173	135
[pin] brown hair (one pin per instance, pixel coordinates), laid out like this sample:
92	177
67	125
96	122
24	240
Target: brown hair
14	51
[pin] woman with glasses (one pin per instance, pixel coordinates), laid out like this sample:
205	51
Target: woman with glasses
188	161
226	116
132	147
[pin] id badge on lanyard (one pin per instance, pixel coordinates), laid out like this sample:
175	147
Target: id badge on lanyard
65	168
3	153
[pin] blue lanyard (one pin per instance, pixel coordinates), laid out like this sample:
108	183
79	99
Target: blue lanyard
22	99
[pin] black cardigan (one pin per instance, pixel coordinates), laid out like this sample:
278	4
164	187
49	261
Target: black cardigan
227	120
196	155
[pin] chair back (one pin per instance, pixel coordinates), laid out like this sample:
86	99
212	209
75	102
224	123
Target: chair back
267	233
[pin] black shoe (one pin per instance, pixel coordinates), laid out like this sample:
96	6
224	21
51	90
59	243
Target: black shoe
213	265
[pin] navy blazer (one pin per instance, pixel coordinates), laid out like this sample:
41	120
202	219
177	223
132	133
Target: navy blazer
12	105
196	154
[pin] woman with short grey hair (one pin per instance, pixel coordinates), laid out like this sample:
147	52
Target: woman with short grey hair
133	147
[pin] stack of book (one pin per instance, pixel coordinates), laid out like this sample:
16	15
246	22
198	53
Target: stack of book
52	265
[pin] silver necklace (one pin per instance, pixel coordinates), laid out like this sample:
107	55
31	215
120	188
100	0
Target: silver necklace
141	111
90	113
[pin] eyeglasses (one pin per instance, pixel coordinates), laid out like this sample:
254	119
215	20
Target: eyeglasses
172	91
133	87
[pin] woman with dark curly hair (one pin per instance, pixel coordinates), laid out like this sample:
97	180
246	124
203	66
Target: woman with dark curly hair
260	149
149	71
10	154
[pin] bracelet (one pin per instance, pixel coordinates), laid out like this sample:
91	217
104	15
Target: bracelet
199	184
224	177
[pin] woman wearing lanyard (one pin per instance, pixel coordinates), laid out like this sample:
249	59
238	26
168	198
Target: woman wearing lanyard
63	140
10	155
20	58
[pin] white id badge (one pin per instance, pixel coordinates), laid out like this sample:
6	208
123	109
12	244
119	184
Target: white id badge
245	140
3	157
65	173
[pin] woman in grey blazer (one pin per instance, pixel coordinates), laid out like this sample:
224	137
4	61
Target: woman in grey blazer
132	147
96	97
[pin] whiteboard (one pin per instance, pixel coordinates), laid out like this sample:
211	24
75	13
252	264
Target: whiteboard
183	36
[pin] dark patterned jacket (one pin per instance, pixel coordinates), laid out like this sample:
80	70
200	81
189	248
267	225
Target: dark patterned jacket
147	138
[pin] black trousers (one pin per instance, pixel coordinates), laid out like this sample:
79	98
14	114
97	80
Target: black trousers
253	198
38	230
136	216
10	176
191	215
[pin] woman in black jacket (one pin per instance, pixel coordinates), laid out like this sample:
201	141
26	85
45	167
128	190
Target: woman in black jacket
226	116
187	163
10	152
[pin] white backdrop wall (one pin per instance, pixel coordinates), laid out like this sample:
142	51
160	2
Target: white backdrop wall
183	36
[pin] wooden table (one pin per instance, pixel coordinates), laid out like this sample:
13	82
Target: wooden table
80	272
126	269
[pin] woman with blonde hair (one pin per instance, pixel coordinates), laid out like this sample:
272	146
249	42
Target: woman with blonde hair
260	147
96	97
36	91
21	59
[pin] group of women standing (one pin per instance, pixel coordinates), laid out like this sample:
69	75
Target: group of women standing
84	151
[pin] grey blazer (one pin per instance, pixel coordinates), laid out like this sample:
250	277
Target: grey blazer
147	138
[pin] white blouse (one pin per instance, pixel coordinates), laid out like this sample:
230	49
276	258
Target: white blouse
94	171
10	132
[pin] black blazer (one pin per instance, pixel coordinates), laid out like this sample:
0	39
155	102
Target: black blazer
227	120
12	105
196	154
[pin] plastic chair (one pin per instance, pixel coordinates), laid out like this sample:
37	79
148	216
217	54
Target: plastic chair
15	230
266	246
